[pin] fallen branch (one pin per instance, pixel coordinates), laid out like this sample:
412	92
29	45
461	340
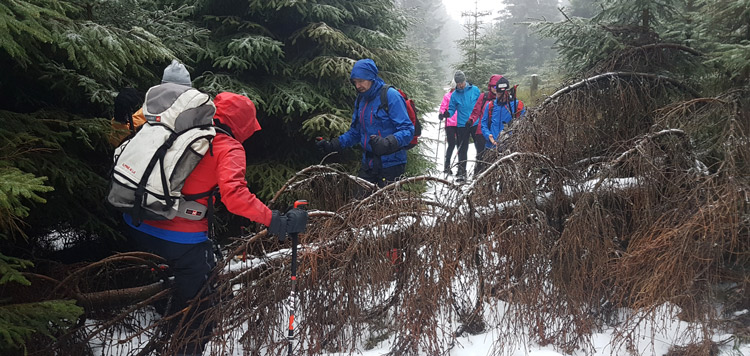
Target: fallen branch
611	75
125	296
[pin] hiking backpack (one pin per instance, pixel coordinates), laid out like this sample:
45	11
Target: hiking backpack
514	112
411	109
150	168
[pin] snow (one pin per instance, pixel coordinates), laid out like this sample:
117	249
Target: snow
431	130
654	337
653	340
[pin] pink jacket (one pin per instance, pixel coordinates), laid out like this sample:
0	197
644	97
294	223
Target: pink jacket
451	121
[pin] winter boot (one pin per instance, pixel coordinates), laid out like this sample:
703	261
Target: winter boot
461	178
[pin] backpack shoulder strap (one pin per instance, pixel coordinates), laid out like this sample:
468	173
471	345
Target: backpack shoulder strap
356	105
384	98
222	128
489	111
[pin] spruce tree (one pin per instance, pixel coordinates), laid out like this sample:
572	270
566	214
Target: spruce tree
529	50
426	20
603	42
63	61
722	30
478	60
293	59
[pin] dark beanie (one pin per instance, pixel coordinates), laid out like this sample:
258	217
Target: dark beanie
127	102
459	77
503	83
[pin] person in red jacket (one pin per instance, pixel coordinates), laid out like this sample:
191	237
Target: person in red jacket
184	243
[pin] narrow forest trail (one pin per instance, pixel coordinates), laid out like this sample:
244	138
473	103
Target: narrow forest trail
434	145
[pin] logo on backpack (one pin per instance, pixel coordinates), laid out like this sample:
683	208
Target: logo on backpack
150	168
411	109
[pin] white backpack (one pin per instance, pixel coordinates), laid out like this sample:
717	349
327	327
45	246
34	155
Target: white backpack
150	168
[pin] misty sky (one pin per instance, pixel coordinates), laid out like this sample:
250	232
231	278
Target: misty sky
455	7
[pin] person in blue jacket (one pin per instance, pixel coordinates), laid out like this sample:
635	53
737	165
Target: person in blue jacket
462	102
383	135
497	113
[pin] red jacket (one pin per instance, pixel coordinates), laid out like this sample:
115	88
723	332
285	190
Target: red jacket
225	168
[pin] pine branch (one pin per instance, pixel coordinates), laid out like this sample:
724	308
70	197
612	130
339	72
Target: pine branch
16	187
323	67
326	125
19	322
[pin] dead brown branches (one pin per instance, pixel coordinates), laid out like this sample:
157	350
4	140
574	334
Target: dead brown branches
611	199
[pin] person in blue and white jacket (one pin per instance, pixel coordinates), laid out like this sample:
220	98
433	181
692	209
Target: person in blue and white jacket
462	102
497	113
384	136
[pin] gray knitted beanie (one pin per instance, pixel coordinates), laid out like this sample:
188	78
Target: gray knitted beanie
176	73
459	77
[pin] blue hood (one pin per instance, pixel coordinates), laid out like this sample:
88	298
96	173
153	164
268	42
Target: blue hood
366	69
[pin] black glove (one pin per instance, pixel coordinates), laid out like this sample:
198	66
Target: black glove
296	221
327	147
469	123
278	225
443	115
382	146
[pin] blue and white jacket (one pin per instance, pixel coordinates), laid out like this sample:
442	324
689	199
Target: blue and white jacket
462	102
368	119
495	123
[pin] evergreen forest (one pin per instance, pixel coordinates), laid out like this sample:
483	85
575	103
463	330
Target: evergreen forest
622	195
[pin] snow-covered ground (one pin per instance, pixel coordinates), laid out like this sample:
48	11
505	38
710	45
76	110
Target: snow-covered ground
434	145
654	339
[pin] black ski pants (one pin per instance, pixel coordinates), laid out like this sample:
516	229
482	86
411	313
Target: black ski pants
451	136
479	143
191	265
463	133
382	176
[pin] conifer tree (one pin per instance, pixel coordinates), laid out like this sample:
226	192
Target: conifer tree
293	60
479	49
63	61
722	30
529	50
592	44
426	20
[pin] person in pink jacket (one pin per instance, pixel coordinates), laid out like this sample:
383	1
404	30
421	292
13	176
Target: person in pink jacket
450	127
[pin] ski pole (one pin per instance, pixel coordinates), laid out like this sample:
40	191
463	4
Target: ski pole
292	294
437	149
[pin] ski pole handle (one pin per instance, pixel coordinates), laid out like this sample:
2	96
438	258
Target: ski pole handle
301	202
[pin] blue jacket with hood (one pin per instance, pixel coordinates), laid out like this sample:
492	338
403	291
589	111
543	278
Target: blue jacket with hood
369	119
463	101
494	123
